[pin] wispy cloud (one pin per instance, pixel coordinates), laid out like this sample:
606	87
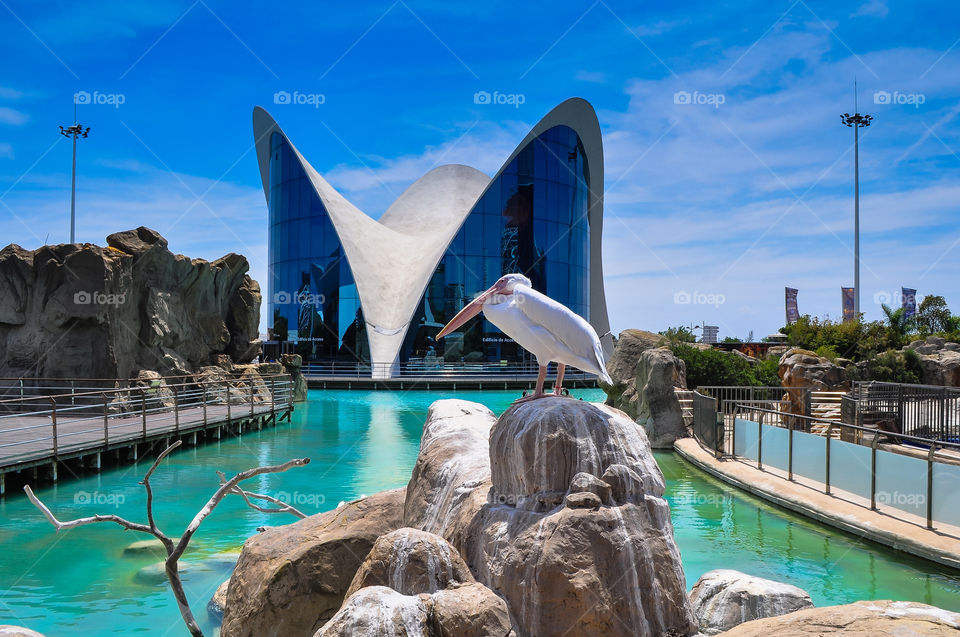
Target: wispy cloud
6	150
873	9
12	116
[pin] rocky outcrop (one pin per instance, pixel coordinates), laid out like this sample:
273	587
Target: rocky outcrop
939	360
803	371
622	364
411	561
291	579
648	396
218	603
85	311
468	610
604	567
860	619
291	364
17	631
450	479
725	598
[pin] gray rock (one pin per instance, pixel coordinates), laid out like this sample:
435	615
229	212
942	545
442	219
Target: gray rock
585	482
218	603
625	484
17	631
582	500
657	407
724	598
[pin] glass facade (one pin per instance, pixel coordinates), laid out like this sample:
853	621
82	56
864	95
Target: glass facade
532	219
312	298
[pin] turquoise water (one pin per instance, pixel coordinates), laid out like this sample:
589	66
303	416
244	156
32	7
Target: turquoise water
77	582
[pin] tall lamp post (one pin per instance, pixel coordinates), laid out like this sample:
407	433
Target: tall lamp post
856	122
77	130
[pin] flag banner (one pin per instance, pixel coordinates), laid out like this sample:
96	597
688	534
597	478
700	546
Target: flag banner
909	301
846	297
791	301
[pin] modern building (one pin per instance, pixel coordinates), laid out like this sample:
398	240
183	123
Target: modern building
345	287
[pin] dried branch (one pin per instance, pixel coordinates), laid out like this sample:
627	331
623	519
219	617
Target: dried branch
249	495
175	551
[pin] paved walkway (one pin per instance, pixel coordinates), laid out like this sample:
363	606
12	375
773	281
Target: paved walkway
904	533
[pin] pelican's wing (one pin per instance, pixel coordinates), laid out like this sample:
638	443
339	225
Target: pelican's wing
569	328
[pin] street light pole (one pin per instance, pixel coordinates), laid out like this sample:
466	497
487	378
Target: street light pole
856	122
74	131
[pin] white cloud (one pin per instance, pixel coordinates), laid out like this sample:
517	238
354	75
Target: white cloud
594	77
12	116
6	150
872	8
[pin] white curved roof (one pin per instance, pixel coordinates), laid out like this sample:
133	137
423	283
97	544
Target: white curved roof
393	258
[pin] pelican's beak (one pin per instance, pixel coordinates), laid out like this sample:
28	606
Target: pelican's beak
470	310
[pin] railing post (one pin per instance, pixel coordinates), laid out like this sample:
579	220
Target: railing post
73	390
203	387
106	423
273	395
143	411
789	449
760	442
933	450
176	410
53	423
827	474
873	472
251	397
229	418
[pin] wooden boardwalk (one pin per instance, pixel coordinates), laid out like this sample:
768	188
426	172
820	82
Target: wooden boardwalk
75	433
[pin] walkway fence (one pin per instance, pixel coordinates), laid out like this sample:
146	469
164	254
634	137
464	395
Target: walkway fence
39	422
925	411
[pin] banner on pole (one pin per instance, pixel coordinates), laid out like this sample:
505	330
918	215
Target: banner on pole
846	298
791	304
909	301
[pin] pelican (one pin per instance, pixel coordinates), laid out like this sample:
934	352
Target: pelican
543	327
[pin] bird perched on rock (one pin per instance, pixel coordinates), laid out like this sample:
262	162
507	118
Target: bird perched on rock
545	328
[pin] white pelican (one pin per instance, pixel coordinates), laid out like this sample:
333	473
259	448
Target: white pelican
543	327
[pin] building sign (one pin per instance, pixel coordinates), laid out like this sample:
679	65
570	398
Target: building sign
908	301
846	298
791	302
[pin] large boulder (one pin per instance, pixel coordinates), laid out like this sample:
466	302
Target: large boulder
291	364
611	568
85	311
468	610
622	364
450	479
939	360
411	561
290	579
725	598
803	371
860	619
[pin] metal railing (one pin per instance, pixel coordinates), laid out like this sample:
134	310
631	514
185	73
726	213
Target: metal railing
929	412
36	426
729	395
708	427
758	417
432	369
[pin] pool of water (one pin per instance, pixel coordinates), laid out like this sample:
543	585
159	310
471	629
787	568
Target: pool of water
78	583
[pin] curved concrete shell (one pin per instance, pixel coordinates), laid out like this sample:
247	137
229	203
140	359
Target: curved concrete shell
393	259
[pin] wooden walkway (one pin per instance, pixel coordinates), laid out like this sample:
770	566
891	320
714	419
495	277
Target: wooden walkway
75	435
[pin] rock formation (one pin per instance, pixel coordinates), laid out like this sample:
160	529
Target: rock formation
940	361
17	631
291	579
645	376
724	598
84	311
860	619
610	568
802	368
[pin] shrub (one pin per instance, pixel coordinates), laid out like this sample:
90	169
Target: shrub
890	366
715	367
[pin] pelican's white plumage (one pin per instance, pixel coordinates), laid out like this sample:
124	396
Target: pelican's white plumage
542	326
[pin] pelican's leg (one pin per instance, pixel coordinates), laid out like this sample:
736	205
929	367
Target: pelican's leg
558	386
538	392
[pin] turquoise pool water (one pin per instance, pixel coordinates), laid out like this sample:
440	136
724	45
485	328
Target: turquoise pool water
77	582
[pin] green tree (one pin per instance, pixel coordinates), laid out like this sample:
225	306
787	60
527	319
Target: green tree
933	315
899	324
675	335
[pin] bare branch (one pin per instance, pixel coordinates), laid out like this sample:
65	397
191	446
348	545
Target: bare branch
247	495
70	524
146	485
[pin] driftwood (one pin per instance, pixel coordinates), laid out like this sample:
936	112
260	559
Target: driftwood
175	549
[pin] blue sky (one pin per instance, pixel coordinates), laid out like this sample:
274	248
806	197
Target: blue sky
724	200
